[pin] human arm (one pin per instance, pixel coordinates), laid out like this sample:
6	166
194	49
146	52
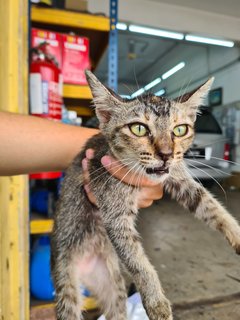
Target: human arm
32	144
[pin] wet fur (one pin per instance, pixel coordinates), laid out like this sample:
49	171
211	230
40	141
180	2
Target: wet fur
91	244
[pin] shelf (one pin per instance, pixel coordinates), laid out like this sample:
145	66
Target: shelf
76	92
69	19
82	111
46	309
72	94
94	27
40	226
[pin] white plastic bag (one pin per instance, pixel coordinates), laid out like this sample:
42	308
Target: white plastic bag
135	310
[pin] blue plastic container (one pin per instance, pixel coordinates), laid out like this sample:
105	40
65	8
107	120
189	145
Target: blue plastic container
41	284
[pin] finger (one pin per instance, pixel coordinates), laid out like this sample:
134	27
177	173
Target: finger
151	193
90	195
145	204
86	177
90	154
123	173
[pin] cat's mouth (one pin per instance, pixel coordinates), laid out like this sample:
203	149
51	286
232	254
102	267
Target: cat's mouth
157	170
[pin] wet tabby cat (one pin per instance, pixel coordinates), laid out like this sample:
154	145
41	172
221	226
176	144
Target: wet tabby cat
90	245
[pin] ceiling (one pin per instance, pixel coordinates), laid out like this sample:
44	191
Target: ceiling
136	53
143	58
230	7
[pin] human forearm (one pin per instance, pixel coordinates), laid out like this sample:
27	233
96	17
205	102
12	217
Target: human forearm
31	144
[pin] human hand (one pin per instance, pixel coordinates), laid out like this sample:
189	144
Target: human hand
149	190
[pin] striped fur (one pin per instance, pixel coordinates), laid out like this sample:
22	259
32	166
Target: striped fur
91	244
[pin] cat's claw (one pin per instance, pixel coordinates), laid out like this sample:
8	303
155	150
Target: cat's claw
234	239
236	246
236	243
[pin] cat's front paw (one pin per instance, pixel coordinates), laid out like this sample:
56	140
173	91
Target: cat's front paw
160	311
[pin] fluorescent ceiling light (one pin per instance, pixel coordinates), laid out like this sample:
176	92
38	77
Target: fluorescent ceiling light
216	42
125	96
137	93
160	92
156	32
121	26
173	70
152	84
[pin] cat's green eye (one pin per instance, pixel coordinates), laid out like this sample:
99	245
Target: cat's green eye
138	129
180	131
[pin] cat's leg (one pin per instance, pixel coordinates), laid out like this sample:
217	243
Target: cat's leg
106	282
67	286
199	201
124	237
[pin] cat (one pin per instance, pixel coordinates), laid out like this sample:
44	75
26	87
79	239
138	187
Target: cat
90	244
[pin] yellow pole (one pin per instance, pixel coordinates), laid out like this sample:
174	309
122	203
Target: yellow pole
14	224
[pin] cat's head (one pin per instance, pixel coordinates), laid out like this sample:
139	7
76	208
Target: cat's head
148	134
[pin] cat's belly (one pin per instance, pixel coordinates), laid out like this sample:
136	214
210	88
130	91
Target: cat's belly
87	264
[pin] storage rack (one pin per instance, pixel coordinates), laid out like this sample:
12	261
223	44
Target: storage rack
76	97
14	216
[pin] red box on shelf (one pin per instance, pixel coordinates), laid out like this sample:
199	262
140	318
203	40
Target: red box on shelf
54	40
75	59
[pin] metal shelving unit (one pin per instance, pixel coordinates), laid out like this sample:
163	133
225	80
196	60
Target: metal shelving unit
77	97
15	225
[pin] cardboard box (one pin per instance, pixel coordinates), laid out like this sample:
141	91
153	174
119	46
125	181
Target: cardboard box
75	59
54	40
79	5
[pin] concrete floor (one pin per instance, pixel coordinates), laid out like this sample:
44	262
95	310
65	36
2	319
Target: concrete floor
199	271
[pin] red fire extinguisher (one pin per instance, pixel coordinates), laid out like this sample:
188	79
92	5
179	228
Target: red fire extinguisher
45	84
45	91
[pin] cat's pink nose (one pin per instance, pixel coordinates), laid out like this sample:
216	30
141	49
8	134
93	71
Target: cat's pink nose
165	156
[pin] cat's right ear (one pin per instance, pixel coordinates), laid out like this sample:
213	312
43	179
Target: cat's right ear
106	101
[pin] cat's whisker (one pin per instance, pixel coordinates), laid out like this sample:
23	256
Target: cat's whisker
112	175
187	86
181	90
138	182
135	76
213	179
184	90
109	165
103	173
191	173
142	172
209	144
206	165
235	163
129	89
133	176
131	169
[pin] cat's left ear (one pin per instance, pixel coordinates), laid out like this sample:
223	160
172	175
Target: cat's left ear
105	100
196	97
